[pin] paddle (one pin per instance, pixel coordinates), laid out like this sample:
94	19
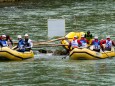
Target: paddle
105	52
62	38
14	48
49	44
53	40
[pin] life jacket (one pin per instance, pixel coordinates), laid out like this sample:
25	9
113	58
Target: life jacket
96	45
108	44
28	43
84	43
21	44
74	43
4	43
88	37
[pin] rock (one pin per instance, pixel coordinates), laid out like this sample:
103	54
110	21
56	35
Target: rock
60	52
42	51
56	52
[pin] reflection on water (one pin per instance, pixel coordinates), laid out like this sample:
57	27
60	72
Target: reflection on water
80	15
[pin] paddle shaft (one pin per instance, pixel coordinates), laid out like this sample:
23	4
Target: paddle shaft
50	45
41	43
48	40
106	54
56	39
47	43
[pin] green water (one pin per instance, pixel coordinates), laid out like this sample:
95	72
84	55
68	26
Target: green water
98	16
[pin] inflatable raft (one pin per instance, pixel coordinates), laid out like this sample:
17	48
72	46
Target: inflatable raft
9	54
84	53
88	54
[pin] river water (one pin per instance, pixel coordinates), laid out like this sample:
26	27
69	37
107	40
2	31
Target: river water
31	16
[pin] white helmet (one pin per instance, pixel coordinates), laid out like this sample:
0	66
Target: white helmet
75	36
19	36
3	35
108	36
26	35
96	37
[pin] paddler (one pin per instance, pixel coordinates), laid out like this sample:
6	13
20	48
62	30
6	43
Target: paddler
83	41
96	44
88	36
108	43
3	41
28	43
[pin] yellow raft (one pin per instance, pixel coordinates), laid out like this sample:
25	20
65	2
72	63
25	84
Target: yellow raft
88	54
9	54
85	53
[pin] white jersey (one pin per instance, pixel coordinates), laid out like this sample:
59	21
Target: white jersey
30	44
84	45
74	43
108	44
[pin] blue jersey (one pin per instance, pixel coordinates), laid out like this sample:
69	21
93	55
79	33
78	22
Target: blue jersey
21	44
3	43
84	43
96	44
